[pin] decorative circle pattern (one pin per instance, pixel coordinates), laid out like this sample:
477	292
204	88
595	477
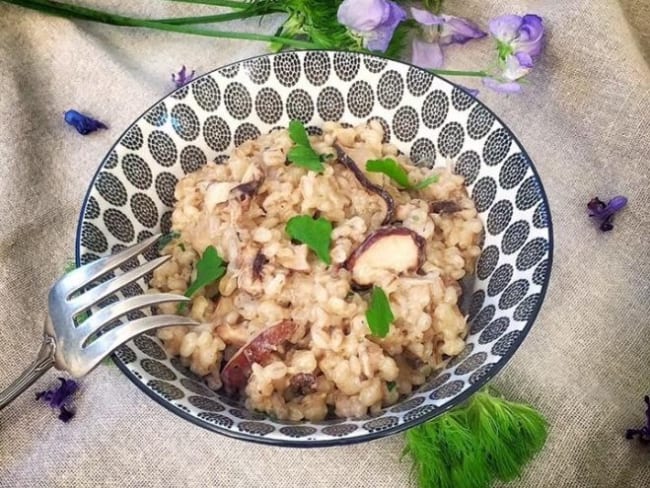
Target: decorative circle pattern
499	217
405	123
137	171
423	153
286	67
162	148
346	65
133	138
361	99
390	89
330	104
268	105
480	122
237	100
192	158
418	81
317	67
450	140
435	109
424	116
206	93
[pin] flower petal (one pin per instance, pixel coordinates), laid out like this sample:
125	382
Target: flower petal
83	123
524	59
472	91
530	37
426	55
514	70
502	86
380	38
459	30
363	15
505	27
425	17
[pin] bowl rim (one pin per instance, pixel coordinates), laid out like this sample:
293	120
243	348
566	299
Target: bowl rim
304	443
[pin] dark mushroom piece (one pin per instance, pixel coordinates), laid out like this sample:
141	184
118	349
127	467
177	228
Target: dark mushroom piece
257	350
303	383
443	207
258	263
395	249
349	163
246	190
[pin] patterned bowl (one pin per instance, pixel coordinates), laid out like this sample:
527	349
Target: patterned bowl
131	196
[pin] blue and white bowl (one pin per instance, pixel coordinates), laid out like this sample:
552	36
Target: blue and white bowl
132	195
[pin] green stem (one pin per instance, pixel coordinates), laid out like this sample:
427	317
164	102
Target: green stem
217	3
73	11
453	72
208	19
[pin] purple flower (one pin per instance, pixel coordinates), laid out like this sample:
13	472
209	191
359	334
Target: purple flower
83	123
520	41
643	434
182	78
373	20
604	213
60	398
439	31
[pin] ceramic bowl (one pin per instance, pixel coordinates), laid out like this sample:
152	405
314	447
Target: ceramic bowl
430	119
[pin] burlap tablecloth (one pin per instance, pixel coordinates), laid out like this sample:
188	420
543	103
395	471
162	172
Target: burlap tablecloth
584	119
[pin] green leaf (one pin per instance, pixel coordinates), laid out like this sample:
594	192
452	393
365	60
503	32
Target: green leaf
302	154
298	133
379	315
390	168
391	385
306	157
426	182
316	233
486	439
208	270
167	238
395	172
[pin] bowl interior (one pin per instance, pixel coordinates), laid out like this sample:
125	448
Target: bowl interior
426	117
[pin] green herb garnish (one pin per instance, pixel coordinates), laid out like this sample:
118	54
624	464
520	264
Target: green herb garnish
379	315
316	233
209	269
395	172
167	238
302	154
486	439
390	385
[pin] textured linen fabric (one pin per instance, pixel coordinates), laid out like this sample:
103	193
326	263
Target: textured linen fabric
584	118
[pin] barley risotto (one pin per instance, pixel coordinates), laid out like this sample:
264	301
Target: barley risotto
284	329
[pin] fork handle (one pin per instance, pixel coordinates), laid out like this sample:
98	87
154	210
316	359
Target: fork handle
44	361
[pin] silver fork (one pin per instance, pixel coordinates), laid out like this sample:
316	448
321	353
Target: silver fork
68	346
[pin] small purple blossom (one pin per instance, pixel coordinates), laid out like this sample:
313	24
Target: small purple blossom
520	41
643	434
83	123
374	21
472	91
439	31
182	78
60	398
604	213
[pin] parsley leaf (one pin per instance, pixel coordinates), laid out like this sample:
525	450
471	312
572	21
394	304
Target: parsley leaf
208	270
379	315
167	238
390	386
395	172
426	182
303	154
316	233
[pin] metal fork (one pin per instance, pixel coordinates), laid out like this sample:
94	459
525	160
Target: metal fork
71	347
